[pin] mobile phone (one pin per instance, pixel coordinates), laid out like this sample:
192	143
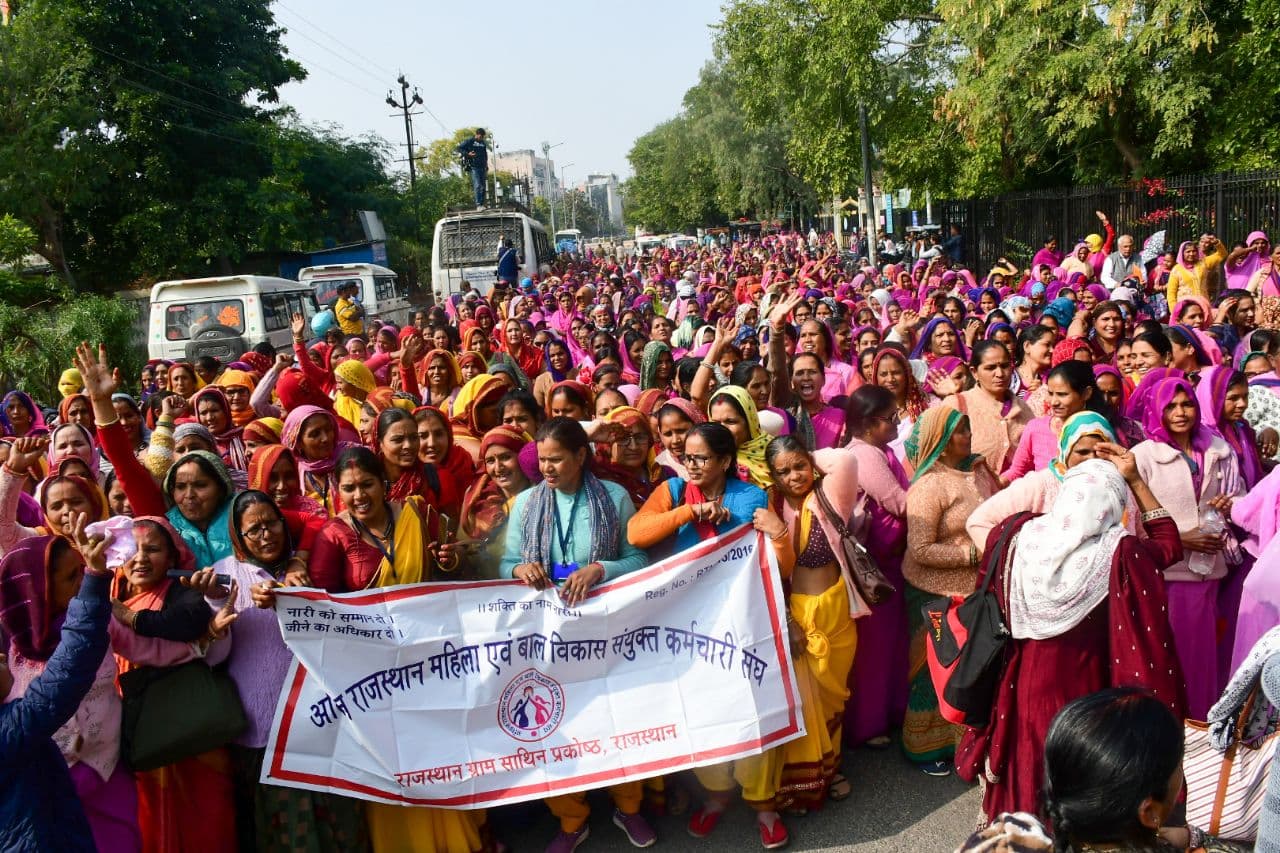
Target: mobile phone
178	574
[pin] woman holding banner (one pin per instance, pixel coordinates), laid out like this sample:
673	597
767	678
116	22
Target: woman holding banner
271	817
712	500
678	515
569	531
377	542
817	491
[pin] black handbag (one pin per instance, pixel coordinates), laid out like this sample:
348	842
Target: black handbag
872	585
965	640
176	712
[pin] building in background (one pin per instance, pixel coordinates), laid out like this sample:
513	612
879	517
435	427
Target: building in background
525	163
603	193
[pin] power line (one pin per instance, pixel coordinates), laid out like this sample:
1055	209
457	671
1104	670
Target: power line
335	40
183	101
348	49
324	47
318	67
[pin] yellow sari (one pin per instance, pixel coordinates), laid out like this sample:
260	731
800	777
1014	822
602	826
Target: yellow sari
419	829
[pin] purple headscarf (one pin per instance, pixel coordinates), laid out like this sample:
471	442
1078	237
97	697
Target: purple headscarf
922	345
1141	396
1211	392
1153	418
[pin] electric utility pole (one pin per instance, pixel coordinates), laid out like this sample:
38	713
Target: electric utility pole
405	105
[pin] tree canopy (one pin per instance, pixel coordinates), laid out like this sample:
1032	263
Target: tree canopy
964	99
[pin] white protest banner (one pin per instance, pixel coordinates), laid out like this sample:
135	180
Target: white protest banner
465	695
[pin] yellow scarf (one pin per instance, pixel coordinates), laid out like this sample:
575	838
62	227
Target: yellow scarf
410	547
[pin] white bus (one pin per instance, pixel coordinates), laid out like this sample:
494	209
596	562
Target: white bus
465	248
382	294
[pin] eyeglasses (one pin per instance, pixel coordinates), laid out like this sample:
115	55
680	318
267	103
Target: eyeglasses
634	440
261	531
693	460
892	420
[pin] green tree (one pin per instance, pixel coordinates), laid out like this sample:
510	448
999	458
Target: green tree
674	186
1053	94
440	157
159	113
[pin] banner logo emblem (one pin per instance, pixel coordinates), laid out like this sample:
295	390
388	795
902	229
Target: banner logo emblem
531	707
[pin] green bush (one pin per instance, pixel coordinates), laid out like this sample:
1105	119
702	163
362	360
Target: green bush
37	343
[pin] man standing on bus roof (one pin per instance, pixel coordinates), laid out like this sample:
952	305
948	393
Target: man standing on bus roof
348	311
475	158
509	262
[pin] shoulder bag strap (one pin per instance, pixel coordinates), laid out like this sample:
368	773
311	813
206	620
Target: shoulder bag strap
996	556
830	512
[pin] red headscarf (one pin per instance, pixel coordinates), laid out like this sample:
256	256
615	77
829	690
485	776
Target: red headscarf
484	507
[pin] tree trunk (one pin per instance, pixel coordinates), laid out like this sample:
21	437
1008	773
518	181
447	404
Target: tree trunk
49	227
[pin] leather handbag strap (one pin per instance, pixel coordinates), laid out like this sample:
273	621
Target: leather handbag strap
830	512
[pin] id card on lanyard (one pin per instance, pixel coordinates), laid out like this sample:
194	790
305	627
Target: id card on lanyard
560	571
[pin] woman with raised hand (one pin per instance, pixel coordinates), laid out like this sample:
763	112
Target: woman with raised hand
1085	596
195	495
61	497
949	483
569	531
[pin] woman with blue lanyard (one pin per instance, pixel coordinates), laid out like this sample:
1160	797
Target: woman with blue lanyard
570	531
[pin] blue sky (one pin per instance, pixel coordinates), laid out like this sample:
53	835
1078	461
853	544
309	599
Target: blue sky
594	75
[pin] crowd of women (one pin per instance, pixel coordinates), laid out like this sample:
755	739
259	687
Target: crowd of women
1106	455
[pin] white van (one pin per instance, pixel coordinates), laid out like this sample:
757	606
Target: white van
382	294
225	317
465	248
646	243
679	242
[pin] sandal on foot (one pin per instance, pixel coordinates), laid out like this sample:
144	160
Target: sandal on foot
839	788
703	822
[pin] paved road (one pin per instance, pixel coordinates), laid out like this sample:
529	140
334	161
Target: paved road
894	808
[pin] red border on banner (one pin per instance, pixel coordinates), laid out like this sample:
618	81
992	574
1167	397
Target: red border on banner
603	777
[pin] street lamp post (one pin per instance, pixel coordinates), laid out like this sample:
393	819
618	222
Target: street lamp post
551	189
564	190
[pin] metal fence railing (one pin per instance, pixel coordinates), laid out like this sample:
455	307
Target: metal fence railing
1228	204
